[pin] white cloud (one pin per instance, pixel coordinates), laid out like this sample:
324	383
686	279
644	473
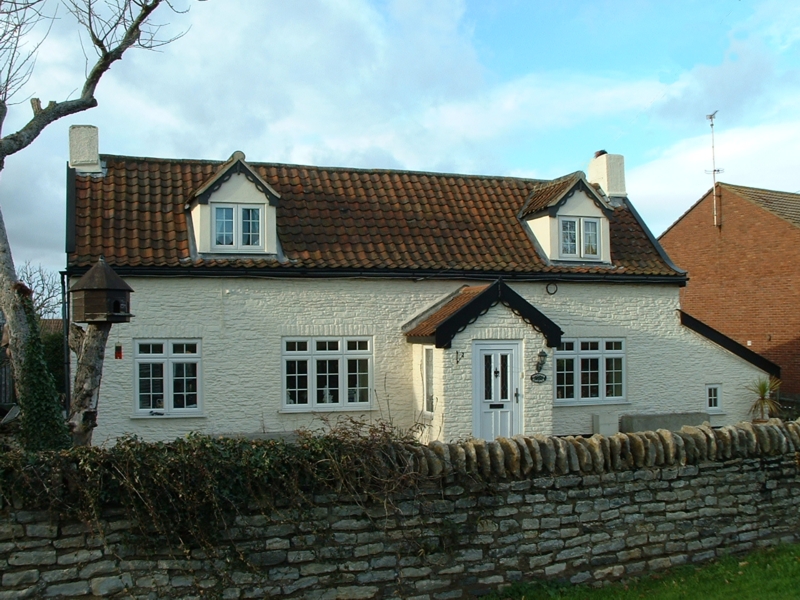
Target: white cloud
394	84
763	156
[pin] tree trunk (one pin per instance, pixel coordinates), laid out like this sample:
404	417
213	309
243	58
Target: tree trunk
90	346
11	295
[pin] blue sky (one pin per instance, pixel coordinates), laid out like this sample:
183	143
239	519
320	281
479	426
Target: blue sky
509	87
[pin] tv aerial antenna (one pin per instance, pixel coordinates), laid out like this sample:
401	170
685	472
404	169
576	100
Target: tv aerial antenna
714	170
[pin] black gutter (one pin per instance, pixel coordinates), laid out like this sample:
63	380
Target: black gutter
729	344
71	210
291	272
65	327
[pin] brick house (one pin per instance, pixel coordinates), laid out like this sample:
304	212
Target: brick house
744	271
270	297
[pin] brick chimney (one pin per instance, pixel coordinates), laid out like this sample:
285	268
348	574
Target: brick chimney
84	149
608	171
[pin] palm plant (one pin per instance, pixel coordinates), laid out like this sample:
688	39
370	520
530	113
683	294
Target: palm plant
765	404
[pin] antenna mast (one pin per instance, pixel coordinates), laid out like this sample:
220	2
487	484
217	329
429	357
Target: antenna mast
714	170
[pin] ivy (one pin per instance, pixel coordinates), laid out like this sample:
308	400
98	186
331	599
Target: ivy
42	424
188	492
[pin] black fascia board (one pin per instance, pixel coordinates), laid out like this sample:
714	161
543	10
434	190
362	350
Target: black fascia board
497	292
447	329
71	210
552	209
289	272
729	344
238	167
580	185
531	315
421	339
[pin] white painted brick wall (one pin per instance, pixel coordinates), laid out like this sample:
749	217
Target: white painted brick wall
241	322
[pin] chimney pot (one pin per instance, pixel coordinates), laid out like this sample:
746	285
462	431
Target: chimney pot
84	149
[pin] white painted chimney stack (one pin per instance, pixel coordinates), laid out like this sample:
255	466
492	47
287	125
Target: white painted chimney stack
84	149
608	170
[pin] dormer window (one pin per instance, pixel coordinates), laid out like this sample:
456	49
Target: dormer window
579	238
235	211
237	227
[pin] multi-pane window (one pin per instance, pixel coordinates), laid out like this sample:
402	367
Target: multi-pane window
590	370
713	393
167	376
237	227
327	372
579	237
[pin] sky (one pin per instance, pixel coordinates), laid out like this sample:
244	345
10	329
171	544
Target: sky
497	87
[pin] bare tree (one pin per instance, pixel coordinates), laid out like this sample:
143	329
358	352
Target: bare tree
112	27
46	288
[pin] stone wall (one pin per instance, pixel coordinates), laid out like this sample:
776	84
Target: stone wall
584	510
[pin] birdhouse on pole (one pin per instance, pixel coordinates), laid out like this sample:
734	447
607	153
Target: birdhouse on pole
101	296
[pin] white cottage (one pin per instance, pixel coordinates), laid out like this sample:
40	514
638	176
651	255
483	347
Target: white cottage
270	297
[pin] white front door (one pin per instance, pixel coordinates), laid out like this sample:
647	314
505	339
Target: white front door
497	390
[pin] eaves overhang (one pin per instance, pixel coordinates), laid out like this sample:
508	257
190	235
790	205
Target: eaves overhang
287	270
730	344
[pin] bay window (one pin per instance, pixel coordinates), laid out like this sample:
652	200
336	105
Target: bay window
590	370
326	373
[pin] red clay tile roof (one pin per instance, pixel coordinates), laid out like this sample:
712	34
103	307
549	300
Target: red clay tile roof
427	327
338	219
548	193
48	326
782	204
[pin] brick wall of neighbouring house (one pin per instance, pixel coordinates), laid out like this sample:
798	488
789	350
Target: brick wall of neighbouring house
744	278
503	516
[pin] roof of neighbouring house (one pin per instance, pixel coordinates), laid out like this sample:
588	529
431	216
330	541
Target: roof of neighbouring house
49	326
782	204
342	221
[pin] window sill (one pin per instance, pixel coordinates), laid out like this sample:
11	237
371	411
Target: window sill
168	416
318	409
577	260
581	403
226	250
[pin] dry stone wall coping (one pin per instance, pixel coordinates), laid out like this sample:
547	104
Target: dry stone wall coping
522	457
584	510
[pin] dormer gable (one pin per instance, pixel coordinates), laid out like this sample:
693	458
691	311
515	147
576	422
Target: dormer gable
569	218
235	211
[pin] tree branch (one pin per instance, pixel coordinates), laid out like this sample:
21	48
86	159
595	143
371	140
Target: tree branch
110	29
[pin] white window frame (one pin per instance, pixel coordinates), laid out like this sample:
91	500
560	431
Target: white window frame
580	242
311	355
238	245
428	380
579	349
717	388
168	358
